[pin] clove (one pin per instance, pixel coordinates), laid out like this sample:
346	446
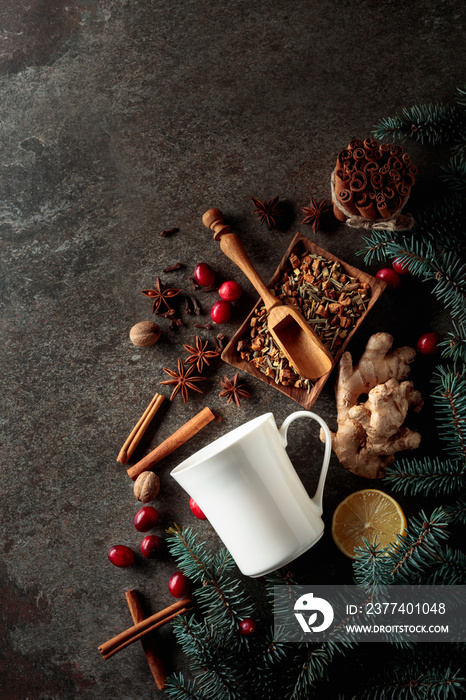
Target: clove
196	307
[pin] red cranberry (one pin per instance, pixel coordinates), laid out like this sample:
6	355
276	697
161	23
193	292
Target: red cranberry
230	291
428	343
401	268
146	518
196	510
179	585
121	555
221	311
152	546
390	277
247	626
204	275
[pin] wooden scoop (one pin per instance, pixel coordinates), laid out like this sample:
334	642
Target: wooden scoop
287	327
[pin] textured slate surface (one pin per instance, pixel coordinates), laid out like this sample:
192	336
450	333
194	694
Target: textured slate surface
120	119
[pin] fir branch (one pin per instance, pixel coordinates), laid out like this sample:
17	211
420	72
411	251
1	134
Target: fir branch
193	559
461	97
378	245
415	551
450	565
455	173
435	124
312	669
457	511
449	271
408	560
196	640
443	266
224	682
220	597
224	604
441	221
372	566
178	688
450	404
454	345
213	653
427	475
273	652
282	577
433	655
435	685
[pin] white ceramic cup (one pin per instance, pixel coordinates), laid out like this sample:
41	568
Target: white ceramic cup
248	489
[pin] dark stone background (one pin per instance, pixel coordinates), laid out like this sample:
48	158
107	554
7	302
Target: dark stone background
119	119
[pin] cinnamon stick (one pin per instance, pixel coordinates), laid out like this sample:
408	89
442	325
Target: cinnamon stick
358	153
148	643
358	181
382	206
182	435
346	198
355	143
139	429
365	206
132	634
371	166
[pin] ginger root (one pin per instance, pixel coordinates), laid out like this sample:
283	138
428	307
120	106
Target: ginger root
370	433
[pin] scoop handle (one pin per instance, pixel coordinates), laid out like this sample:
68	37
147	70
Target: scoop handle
232	246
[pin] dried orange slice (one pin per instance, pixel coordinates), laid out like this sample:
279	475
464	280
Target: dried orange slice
367	514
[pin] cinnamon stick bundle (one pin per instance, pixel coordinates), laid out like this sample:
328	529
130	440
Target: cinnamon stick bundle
371	180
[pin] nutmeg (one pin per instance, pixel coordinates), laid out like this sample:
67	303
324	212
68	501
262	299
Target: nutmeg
144	333
146	487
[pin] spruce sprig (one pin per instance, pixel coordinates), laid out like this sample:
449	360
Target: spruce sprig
434	124
178	688
220	596
311	667
192	557
450	404
442	266
456	511
441	684
426	476
454	345
409	560
417	548
454	173
372	566
450	565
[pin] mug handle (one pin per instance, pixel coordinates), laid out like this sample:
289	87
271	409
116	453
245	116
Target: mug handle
282	431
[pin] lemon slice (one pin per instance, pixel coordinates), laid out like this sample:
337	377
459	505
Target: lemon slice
367	514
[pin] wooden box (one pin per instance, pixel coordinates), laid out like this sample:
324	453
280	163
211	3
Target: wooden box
299	245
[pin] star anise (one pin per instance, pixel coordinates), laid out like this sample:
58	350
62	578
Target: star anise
182	381
267	211
233	391
199	354
160	295
314	211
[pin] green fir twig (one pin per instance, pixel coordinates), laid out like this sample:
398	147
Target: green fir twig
428	475
450	404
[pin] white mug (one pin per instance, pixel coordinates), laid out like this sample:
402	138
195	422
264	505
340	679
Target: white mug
248	489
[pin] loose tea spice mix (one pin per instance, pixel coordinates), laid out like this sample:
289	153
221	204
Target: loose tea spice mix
330	300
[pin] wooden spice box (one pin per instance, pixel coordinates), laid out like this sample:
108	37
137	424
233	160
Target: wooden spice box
299	245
